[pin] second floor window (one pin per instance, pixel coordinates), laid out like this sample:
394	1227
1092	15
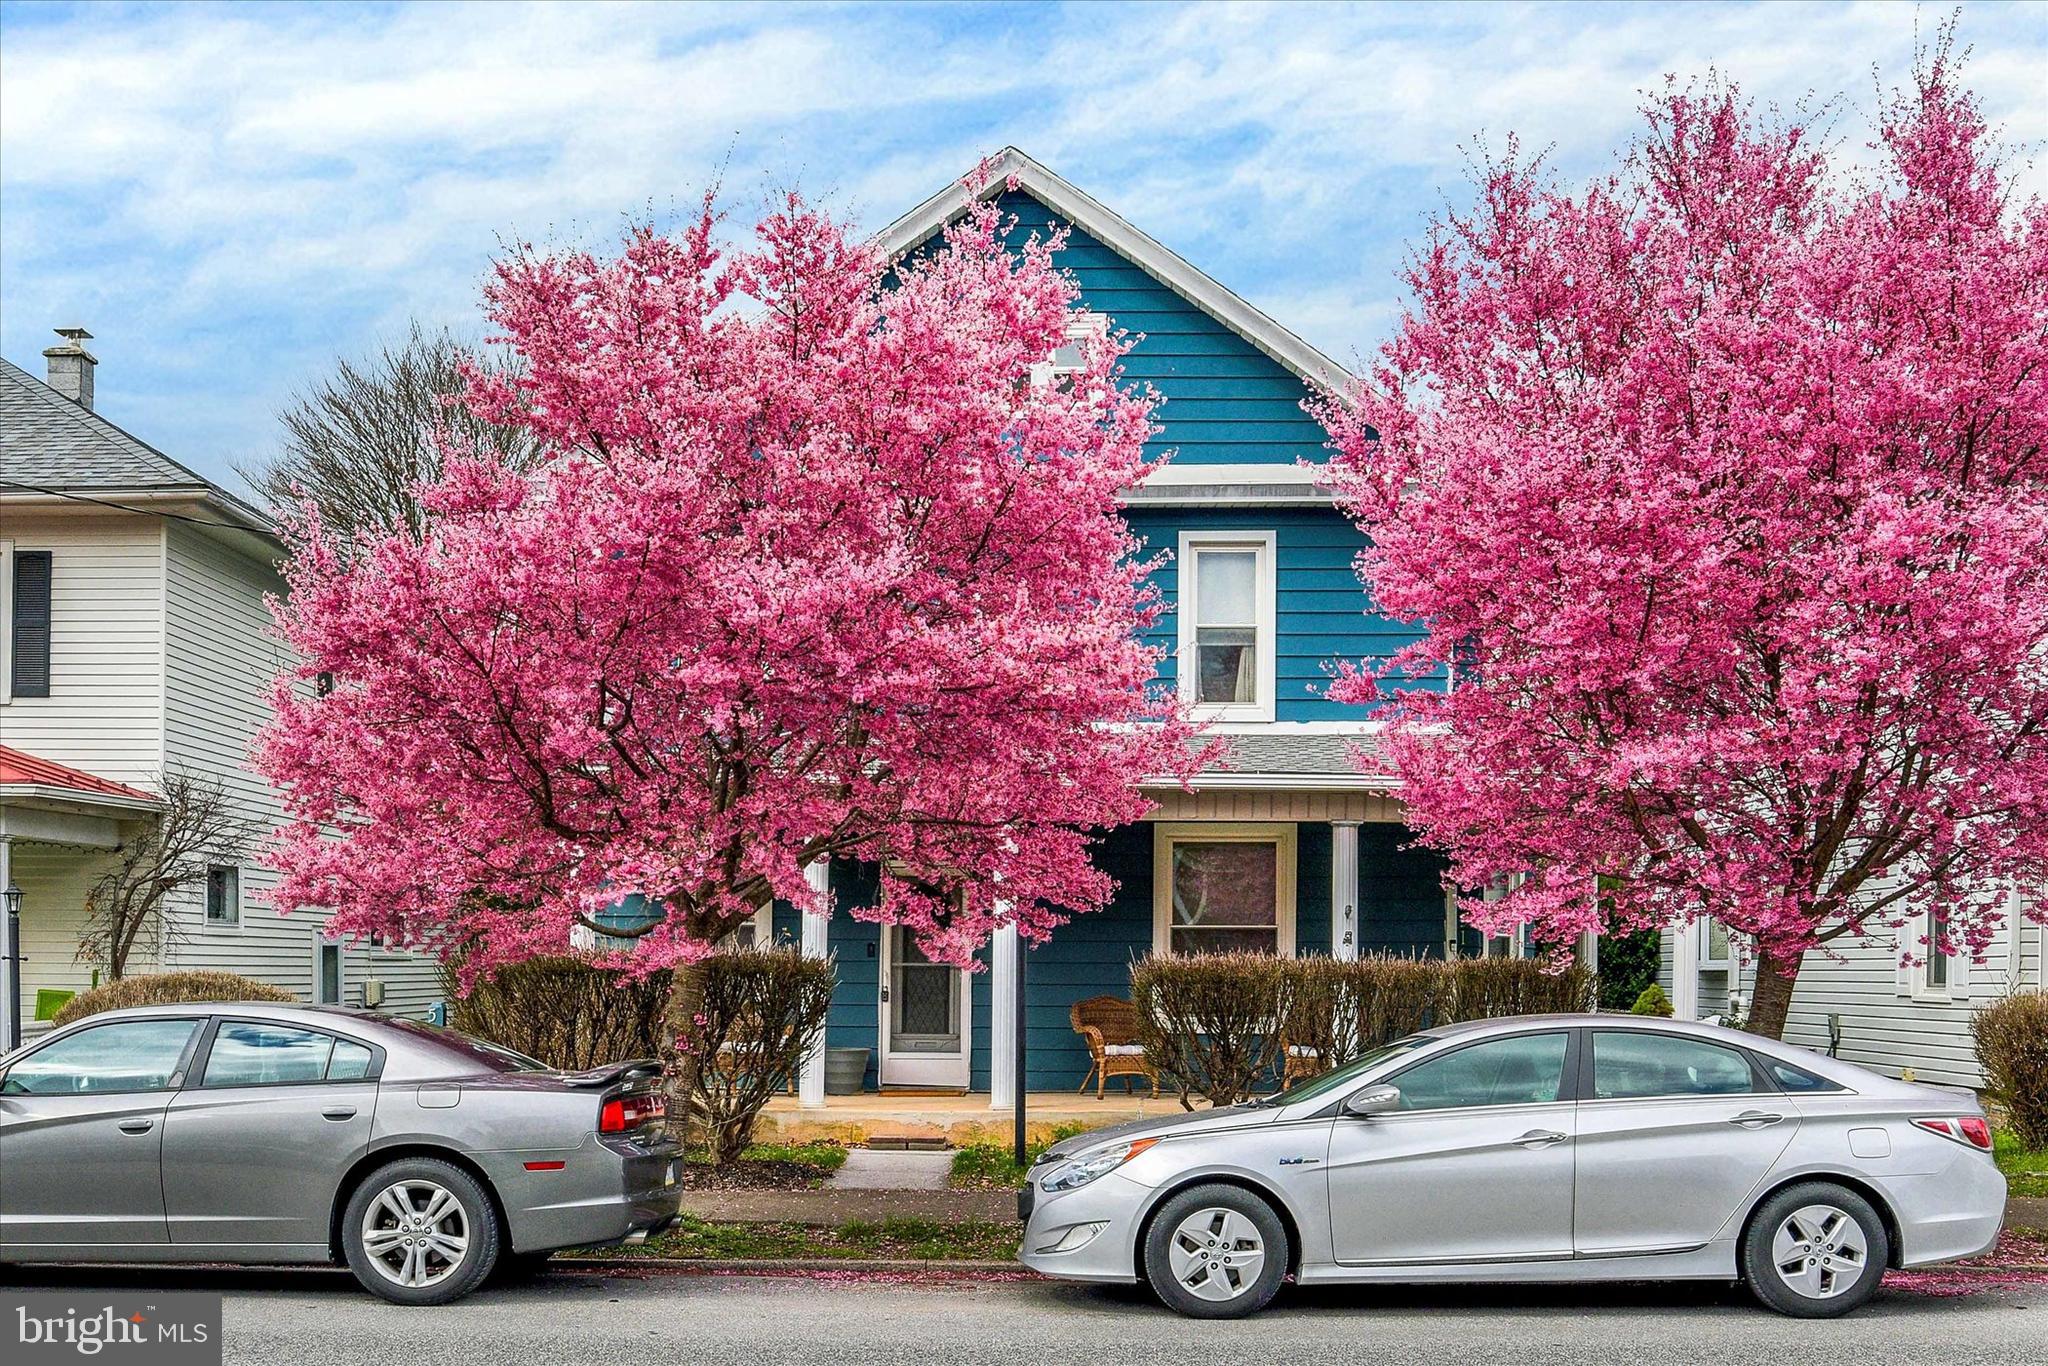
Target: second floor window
1227	624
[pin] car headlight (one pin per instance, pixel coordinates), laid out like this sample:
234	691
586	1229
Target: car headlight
1081	1170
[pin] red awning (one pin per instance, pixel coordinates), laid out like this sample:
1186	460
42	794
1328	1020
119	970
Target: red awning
20	768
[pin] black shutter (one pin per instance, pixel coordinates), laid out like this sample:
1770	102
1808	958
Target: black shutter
31	648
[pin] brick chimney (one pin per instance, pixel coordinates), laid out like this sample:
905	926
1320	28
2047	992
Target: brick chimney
71	366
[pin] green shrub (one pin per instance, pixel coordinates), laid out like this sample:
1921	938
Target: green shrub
2012	1045
1628	963
563	1011
1652	1001
1209	1022
763	1010
168	988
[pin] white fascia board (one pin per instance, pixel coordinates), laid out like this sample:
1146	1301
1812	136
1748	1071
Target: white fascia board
1280	782
1171	269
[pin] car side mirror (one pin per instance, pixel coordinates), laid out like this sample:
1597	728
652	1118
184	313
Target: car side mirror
1373	1100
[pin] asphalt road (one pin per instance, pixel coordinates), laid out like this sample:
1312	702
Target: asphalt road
319	1318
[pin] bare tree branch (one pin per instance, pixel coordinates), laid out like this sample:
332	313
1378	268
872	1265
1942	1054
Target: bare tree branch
197	827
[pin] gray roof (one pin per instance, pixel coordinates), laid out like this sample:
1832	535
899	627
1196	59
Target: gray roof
1308	754
52	445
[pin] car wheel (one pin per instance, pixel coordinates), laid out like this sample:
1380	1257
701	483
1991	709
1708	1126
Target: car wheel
1815	1251
1216	1252
420	1231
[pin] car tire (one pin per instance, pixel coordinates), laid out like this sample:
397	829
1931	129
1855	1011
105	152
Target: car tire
1815	1251
1216	1252
447	1248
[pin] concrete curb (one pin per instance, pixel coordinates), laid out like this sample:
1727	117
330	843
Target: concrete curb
792	1266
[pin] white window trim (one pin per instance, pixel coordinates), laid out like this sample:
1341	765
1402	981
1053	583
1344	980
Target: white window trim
1708	961
1085	326
1187	611
1165	834
763	922
206	921
1957	988
321	942
6	622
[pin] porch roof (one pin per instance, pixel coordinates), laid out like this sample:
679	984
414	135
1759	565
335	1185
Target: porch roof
42	800
1318	760
28	776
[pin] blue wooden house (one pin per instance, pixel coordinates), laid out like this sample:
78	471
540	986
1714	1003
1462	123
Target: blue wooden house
1284	845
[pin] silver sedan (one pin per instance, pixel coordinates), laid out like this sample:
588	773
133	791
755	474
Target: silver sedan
1543	1148
424	1159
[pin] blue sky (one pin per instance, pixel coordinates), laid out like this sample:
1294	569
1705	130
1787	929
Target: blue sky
229	196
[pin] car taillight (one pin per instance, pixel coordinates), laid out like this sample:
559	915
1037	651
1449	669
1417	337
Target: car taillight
1974	1130
621	1114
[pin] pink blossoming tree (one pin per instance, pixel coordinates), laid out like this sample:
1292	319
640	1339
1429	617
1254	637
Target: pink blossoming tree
1721	488
812	568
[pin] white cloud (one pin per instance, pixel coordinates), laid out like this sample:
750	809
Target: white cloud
229	196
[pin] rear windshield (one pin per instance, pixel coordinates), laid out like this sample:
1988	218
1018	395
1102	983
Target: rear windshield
487	1057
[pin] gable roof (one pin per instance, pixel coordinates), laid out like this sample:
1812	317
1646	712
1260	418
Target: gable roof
57	448
1090	214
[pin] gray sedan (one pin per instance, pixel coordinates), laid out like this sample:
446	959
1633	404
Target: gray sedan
1544	1148
424	1159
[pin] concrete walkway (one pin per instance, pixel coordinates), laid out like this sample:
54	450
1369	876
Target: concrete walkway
885	1170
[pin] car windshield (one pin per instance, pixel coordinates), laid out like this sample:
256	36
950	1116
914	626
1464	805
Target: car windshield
491	1057
1338	1079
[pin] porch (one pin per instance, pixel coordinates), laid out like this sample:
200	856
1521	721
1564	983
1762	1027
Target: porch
1320	866
59	827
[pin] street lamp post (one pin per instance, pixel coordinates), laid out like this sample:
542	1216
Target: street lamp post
12	957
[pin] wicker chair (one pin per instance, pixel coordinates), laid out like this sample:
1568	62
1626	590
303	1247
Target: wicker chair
1110	1026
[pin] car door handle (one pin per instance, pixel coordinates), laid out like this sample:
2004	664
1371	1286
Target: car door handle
136	1126
1540	1138
1755	1119
339	1112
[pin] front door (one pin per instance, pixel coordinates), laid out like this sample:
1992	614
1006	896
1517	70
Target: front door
81	1136
255	1146
1674	1135
1476	1165
924	1016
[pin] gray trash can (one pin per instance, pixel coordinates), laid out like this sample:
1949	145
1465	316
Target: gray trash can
845	1070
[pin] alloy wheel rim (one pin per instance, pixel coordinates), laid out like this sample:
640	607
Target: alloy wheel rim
1819	1251
1216	1254
415	1233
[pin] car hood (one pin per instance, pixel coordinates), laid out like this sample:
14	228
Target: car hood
1163	1126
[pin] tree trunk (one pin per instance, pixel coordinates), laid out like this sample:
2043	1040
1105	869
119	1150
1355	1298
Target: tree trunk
1772	1000
682	1045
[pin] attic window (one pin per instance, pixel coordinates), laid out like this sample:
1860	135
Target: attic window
1070	357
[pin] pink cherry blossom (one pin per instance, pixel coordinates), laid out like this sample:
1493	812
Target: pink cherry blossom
817	568
1722	489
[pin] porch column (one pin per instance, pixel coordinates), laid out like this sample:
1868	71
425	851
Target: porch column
1685	971
1345	929
810	1078
1002	1018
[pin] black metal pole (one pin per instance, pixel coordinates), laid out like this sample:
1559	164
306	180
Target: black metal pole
1017	1085
10	1038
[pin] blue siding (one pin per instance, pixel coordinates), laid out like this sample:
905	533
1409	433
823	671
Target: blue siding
1227	402
1400	893
1322	613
